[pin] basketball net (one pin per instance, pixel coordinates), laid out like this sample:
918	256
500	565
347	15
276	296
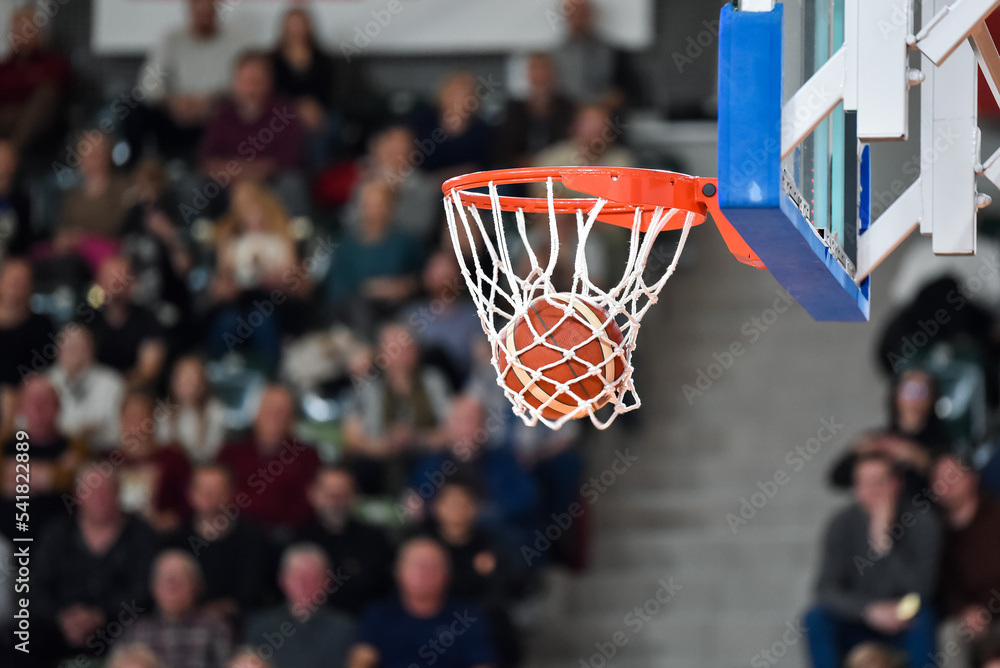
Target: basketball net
503	298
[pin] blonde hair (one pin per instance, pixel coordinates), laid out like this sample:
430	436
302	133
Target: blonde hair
276	219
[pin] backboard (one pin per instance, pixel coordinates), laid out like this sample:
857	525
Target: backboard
805	89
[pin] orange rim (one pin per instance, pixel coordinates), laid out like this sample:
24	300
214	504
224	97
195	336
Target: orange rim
625	189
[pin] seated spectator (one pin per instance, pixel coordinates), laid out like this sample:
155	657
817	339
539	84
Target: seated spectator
272	466
256	259
233	554
22	335
318	637
395	414
970	569
184	78
159	251
275	135
90	394
378	267
876	551
540	120
510	495
304	72
445	322
90	566
592	141
53	458
16	233
34	80
591	70
133	655
128	337
180	635
460	138
478	573
153	477
416	197
91	216
395	634
914	437
197	419
362	552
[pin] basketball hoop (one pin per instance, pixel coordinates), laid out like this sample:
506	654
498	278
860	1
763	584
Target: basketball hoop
548	369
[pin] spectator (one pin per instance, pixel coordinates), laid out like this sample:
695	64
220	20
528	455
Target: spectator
158	249
416	197
180	635
16	234
91	216
591	71
314	635
876	551
90	394
914	437
183	80
256	259
478	571
272	466
446	323
92	566
363	553
128	337
970	570
592	142
395	414
22	335
235	557
378	267
304	72
153	477
133	655
274	148
34	80
532	124
53	458
395	634
510	495
461	139
197	419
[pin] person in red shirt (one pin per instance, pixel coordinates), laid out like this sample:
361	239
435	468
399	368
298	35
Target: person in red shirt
272	467
970	569
33	82
255	135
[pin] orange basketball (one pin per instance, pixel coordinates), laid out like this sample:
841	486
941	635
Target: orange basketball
553	319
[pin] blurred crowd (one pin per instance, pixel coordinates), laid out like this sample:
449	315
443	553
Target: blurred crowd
262	422
909	572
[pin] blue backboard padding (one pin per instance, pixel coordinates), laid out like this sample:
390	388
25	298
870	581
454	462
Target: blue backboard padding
865	190
750	192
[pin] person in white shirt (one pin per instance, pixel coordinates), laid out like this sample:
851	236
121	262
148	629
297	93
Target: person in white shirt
90	394
195	419
182	80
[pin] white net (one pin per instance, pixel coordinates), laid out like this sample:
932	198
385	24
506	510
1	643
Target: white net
547	369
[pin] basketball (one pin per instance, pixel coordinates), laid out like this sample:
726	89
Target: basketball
553	324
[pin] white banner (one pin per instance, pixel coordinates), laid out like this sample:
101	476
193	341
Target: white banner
354	27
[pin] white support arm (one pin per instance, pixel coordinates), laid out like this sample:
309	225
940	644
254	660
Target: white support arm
989	59
943	33
885	234
813	102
